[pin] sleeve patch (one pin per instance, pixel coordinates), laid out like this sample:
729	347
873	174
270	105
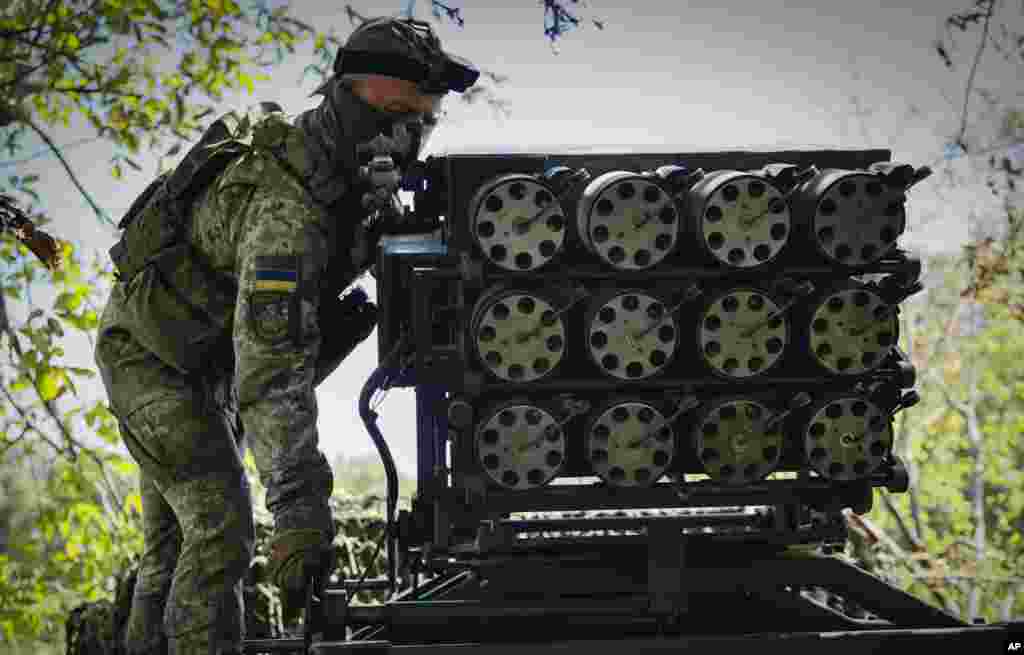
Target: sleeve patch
280	274
270	316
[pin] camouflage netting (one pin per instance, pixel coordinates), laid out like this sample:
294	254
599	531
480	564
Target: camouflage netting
95	628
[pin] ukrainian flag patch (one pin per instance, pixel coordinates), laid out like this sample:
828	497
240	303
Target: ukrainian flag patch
276	273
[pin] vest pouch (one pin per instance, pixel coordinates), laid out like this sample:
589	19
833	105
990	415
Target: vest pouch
178	308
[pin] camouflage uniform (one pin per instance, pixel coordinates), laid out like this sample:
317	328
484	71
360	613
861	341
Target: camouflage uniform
256	224
226	319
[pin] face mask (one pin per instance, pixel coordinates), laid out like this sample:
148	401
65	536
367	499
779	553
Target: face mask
343	122
411	134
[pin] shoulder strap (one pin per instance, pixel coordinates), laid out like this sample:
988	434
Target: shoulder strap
204	162
139	203
159	216
283	142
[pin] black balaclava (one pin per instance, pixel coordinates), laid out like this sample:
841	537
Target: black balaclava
333	131
404	49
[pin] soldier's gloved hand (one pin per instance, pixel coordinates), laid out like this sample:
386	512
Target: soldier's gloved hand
294	554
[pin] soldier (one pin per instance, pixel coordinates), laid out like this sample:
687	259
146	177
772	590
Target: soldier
226	316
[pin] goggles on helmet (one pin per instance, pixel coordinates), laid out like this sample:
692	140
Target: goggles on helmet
439	72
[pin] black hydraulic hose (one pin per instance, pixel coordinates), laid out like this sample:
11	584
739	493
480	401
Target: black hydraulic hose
374	383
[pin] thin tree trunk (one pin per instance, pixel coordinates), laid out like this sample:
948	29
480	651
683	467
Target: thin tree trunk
1006	614
974	434
905	439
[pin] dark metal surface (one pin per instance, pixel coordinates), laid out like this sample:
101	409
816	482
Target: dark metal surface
410	613
369	584
565	498
588	271
283	645
464	173
664	586
897	642
711	581
430	423
432	286
625	523
709	571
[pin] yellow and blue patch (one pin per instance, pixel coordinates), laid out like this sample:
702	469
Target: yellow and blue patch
276	273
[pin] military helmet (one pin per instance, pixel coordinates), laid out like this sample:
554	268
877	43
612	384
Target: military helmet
406	49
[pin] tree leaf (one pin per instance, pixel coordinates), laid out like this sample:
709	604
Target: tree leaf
50	384
133	504
109	433
72	550
68	383
124	466
245	80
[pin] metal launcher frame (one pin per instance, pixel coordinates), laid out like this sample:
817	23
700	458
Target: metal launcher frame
591	546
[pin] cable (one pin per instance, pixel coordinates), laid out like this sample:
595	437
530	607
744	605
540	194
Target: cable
376	380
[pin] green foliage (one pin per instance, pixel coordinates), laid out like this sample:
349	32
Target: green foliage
358	516
133	68
141	72
64	544
950	544
70	524
363	478
145	75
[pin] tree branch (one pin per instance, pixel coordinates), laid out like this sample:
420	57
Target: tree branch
111	489
37	39
306	27
23	72
953	403
67	167
13	442
972	578
84	90
974	434
908	536
970	77
996	147
7	34
1010	601
879	535
47	404
88	334
905	437
31	425
72	443
90	11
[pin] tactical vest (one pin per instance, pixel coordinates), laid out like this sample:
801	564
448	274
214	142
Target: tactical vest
177	305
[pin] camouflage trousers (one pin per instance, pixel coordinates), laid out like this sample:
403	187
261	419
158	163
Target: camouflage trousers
196	506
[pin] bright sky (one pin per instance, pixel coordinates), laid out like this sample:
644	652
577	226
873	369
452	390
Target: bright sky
662	76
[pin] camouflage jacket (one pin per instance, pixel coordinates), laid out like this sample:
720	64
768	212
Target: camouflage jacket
284	258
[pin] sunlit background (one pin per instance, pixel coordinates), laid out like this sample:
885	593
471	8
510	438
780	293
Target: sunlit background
660	76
